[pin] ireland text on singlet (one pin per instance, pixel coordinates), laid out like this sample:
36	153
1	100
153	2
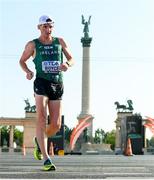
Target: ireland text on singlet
48	59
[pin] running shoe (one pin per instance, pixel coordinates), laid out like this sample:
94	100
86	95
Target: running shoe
37	151
49	166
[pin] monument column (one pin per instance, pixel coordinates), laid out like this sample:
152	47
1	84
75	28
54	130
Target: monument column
86	76
85	107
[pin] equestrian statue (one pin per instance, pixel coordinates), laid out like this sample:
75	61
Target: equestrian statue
28	107
124	108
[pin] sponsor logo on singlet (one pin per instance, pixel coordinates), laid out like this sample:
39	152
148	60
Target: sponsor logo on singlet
50	66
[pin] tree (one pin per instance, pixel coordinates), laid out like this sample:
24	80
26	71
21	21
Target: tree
110	138
99	136
4	135
18	137
67	133
151	142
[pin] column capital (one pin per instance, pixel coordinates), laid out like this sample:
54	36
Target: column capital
86	41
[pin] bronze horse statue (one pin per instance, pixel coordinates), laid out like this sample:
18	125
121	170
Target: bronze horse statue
124	108
120	106
28	107
130	105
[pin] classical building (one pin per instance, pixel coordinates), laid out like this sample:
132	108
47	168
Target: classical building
29	129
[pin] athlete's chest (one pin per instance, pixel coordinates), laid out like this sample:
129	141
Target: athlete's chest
52	49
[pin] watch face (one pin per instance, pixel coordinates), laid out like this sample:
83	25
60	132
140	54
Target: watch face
68	63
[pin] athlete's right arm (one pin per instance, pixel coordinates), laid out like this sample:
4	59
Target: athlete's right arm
28	52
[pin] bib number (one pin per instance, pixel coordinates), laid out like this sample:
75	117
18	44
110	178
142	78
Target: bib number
50	66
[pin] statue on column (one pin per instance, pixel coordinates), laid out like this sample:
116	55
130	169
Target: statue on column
86	26
125	108
28	107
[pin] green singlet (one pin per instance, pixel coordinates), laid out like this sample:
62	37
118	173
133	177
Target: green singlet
48	59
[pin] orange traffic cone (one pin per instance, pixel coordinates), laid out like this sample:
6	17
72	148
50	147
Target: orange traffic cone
128	151
51	150
24	150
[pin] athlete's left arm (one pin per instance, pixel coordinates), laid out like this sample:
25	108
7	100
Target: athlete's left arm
67	53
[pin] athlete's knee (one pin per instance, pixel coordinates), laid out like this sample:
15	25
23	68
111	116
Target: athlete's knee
41	120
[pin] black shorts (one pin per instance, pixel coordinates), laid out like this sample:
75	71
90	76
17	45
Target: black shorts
53	91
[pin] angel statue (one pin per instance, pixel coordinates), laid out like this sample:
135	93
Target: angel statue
86	28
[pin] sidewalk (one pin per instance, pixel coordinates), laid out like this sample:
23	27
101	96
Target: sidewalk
17	166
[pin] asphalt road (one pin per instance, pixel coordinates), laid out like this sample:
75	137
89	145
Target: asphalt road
17	166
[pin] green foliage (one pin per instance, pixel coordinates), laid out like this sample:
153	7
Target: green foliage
151	142
4	135
67	133
110	138
105	137
18	137
99	136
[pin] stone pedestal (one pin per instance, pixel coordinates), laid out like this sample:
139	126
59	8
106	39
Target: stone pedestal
29	134
119	147
29	130
90	128
30	114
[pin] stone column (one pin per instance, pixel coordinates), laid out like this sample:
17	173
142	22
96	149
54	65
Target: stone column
118	140
29	133
145	134
121	131
0	137
11	137
0	141
85	81
85	106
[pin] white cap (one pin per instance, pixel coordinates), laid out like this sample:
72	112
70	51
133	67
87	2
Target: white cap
45	20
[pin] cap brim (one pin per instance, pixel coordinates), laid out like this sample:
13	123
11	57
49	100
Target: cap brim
45	23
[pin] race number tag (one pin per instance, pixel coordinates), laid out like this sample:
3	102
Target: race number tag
50	66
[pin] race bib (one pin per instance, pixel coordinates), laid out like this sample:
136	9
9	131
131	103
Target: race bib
50	66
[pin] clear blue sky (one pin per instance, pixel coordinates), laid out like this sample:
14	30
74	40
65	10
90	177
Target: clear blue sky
122	55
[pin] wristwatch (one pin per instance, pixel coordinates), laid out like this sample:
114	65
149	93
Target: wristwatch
68	63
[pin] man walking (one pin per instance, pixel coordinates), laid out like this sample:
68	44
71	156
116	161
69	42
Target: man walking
47	52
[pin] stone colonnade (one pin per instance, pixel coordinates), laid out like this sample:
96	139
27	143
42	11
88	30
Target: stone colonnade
29	129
